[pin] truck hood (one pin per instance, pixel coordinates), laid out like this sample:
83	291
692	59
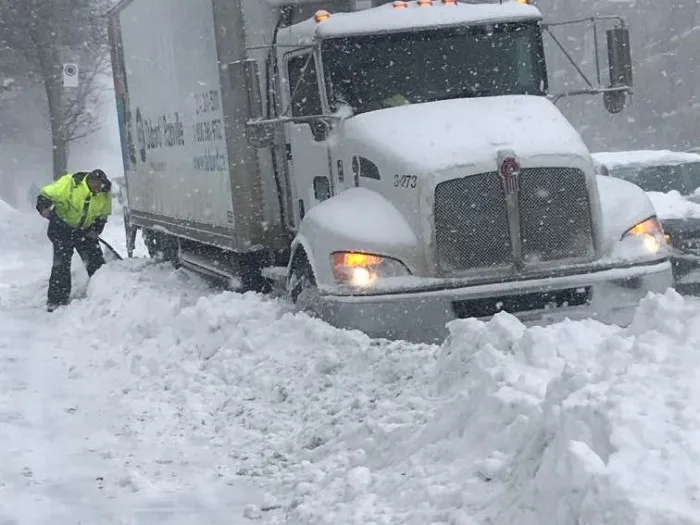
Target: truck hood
673	205
440	135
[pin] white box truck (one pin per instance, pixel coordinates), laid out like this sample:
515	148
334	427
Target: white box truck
397	164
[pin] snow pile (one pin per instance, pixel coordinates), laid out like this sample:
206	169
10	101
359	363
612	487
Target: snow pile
19	229
621	422
575	423
6	211
673	205
156	399
207	401
608	420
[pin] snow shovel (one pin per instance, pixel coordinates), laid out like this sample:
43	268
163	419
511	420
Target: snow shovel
109	247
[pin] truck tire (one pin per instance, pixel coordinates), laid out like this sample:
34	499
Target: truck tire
151	243
161	247
301	283
248	268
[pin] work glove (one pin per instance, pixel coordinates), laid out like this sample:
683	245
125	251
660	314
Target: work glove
47	212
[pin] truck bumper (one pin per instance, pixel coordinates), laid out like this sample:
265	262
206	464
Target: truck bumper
610	296
686	273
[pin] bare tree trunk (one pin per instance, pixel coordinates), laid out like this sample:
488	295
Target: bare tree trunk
54	95
58	142
60	159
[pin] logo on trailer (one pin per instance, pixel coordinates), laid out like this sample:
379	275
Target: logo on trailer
141	134
509	171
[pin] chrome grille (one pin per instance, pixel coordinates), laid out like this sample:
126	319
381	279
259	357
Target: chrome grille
471	223
472	227
555	215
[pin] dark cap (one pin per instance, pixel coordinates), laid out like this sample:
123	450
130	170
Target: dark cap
100	176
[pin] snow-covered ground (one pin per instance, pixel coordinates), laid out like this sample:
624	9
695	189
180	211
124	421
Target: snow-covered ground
157	400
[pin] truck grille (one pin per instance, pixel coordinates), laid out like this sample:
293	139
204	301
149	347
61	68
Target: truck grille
471	223
555	215
471	219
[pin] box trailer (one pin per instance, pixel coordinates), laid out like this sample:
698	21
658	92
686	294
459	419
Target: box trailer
396	165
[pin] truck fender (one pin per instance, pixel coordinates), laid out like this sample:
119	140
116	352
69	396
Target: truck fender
300	245
357	219
623	205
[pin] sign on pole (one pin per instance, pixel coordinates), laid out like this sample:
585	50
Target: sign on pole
70	75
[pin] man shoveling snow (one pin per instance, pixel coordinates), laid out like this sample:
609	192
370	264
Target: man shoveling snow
77	206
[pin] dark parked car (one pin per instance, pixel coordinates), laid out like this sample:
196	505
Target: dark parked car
672	180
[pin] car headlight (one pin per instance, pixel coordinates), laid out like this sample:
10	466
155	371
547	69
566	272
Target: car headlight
649	234
363	269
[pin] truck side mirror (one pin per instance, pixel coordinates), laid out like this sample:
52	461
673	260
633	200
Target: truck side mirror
620	68
319	130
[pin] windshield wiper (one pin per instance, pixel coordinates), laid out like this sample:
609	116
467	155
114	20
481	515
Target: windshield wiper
468	93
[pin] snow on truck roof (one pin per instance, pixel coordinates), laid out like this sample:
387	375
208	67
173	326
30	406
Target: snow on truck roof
614	159
388	18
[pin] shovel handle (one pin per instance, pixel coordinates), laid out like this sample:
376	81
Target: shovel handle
109	247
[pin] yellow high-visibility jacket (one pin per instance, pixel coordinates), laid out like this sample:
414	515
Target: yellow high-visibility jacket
75	204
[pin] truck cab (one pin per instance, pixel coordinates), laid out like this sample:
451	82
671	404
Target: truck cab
428	162
403	164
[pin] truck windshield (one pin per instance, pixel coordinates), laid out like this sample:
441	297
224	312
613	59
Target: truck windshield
370	72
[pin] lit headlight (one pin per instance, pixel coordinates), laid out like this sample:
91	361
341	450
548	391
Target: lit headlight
363	269
649	234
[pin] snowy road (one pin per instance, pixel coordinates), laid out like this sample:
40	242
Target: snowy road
155	400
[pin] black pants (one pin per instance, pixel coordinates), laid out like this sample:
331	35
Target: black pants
66	239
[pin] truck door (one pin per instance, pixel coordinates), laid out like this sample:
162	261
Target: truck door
307	148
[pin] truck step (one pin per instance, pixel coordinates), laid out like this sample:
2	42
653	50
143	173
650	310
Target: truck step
206	266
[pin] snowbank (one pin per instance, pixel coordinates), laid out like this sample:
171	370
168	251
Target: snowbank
673	205
19	229
6	211
156	399
575	423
